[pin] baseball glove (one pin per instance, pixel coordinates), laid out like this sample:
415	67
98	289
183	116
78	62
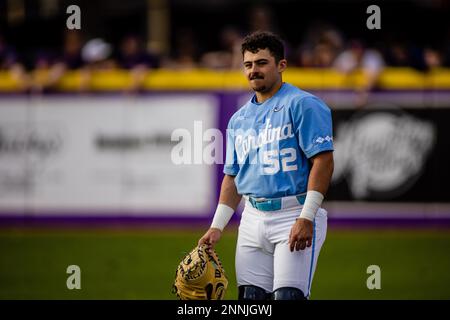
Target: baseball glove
200	276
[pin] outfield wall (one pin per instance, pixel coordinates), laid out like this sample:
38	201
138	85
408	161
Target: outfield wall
111	155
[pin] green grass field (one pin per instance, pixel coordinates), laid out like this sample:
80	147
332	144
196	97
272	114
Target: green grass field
140	264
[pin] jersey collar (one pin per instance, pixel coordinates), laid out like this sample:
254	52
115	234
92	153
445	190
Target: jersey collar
253	100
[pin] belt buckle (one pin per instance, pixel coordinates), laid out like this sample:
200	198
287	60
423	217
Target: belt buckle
256	201
260	199
264	204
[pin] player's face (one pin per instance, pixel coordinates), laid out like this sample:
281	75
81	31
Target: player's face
262	71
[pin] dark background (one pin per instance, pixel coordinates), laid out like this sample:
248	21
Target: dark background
414	23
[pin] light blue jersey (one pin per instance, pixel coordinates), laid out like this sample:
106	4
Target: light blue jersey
269	143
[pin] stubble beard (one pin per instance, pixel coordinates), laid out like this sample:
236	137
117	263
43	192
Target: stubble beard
260	89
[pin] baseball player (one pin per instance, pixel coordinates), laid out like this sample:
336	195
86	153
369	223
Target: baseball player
279	158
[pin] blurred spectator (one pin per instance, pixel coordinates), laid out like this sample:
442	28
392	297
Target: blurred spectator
397	55
321	55
134	58
304	56
320	47
229	57
71	55
9	62
261	19
132	54
8	56
185	54
96	55
42	78
49	71
433	58
324	55
356	56
369	61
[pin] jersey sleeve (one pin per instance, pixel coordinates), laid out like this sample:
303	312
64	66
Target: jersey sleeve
231	166
313	126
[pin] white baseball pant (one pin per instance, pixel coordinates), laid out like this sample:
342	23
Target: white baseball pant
263	257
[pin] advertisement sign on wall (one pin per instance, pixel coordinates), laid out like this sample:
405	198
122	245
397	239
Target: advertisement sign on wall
103	155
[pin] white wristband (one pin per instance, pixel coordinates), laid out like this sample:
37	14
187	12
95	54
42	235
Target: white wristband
313	202
222	216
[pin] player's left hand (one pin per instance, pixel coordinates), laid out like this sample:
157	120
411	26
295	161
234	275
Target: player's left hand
301	234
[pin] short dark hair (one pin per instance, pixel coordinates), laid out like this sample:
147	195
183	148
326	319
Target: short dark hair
261	40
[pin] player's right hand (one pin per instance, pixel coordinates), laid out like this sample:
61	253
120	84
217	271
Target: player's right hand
211	237
301	235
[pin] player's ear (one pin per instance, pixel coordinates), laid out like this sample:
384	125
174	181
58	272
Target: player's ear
282	64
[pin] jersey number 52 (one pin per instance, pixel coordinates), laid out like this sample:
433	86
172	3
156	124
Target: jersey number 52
271	160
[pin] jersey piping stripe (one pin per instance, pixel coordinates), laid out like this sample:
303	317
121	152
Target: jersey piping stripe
312	257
